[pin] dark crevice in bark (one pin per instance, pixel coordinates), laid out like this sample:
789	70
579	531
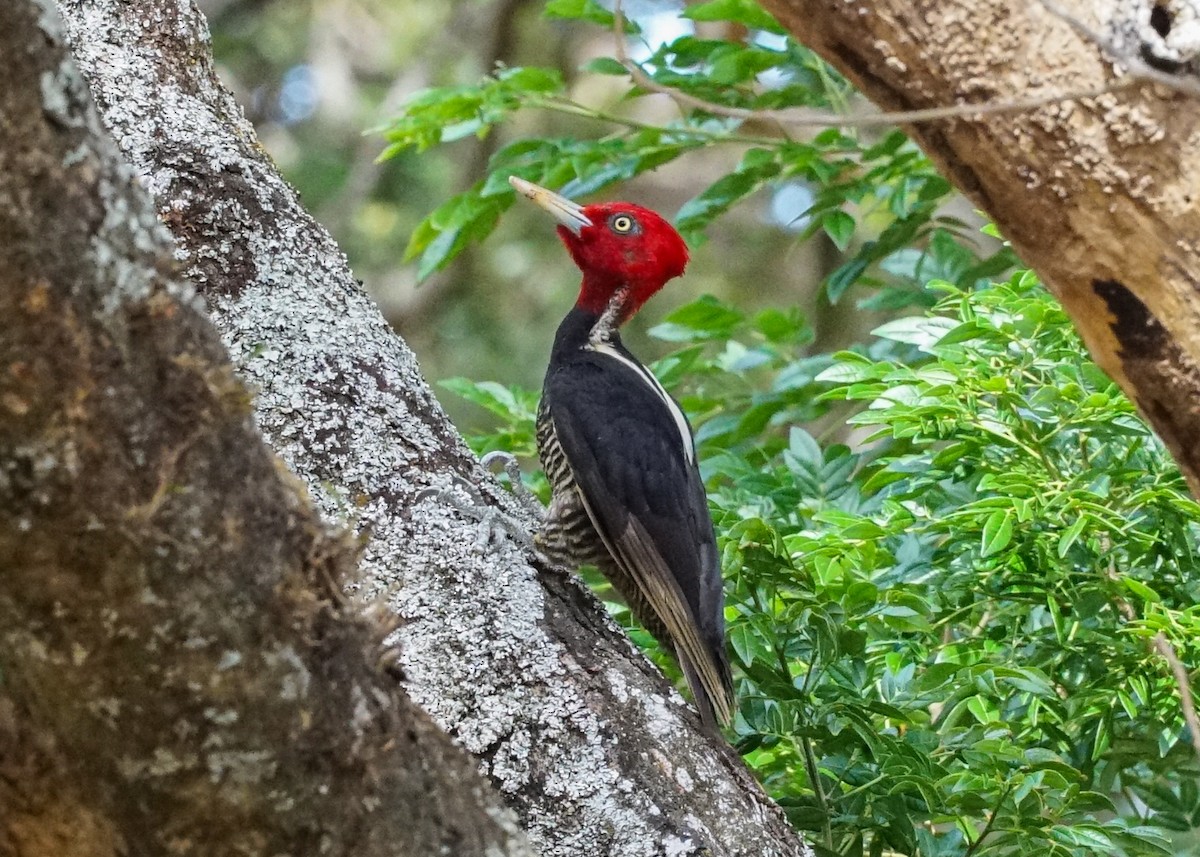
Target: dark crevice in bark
1164	375
192	217
1141	335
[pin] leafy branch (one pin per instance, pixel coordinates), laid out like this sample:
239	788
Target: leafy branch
894	185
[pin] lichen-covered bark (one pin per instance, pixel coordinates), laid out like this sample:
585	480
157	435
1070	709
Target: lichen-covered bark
179	672
583	737
1100	196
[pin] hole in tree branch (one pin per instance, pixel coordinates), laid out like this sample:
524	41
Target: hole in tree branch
1160	20
1157	54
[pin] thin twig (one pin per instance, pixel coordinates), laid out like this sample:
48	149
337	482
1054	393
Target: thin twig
573	108
1138	75
1186	702
814	775
987	828
1178	671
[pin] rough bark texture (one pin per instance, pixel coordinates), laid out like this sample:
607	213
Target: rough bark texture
178	670
1101	196
583	737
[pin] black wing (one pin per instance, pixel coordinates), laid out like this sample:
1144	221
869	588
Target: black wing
630	452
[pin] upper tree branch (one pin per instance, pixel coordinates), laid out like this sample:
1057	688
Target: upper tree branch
1137	74
1099	197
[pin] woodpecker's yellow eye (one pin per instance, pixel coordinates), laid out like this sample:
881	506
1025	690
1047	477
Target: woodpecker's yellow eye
622	224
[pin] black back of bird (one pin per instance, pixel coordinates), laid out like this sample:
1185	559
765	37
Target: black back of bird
628	498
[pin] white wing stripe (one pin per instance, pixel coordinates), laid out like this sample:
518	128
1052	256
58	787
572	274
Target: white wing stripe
681	423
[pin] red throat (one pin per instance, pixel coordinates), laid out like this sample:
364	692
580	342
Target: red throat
635	264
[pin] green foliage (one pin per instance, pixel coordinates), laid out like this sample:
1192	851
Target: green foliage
943	633
517	435
873	195
931	627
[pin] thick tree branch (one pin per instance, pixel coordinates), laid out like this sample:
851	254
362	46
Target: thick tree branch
177	671
1099	197
1138	73
808	118
585	739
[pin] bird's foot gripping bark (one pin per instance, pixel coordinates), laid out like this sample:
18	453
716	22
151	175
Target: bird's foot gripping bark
494	522
513	468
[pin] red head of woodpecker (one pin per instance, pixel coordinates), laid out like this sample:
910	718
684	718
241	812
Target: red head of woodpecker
618	450
617	245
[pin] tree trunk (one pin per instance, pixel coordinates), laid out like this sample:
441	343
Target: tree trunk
1101	196
582	736
179	672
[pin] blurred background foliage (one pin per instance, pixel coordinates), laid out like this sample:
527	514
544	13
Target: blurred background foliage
955	556
314	77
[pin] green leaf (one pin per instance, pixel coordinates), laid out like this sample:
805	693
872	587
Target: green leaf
746	12
839	226
997	532
1086	836
739	64
606	65
758	165
981	709
530	79
746	644
440	251
1141	590
702	319
923	331
966	332
843	277
780	327
584	10
1070	535
849	367
803	448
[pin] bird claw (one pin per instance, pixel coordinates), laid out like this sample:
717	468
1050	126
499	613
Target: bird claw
513	469
493	523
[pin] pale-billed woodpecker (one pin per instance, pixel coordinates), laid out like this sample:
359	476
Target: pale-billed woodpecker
619	452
